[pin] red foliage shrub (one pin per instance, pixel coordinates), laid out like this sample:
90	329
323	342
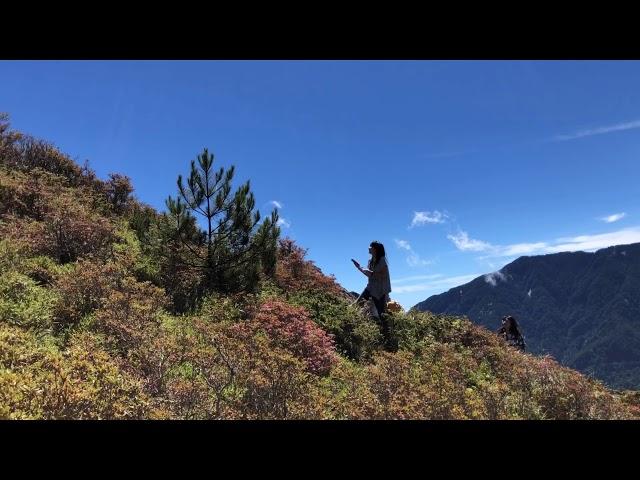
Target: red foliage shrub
26	153
294	273
291	328
50	218
118	191
85	289
72	230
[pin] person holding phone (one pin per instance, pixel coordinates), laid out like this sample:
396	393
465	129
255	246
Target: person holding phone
379	284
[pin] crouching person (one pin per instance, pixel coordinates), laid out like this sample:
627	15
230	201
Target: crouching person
510	331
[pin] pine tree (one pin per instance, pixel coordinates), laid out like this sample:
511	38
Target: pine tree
234	248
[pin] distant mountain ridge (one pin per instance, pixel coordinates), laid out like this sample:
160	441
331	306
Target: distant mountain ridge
582	308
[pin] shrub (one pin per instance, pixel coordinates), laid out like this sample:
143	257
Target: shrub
11	256
81	382
129	315
355	334
24	303
294	273
26	153
217	370
50	218
291	328
117	191
44	270
127	251
72	230
84	289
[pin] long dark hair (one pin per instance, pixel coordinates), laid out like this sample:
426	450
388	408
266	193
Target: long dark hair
378	253
512	326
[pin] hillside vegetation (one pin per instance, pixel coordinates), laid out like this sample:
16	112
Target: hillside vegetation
112	310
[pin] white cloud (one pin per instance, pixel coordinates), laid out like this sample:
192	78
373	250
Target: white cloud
420	218
567	244
413	259
596	242
435	283
276	204
464	243
282	222
403	244
600	130
442	283
492	278
613	218
521	249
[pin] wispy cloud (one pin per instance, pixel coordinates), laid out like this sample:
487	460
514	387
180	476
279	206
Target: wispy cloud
403	244
413	259
492	278
438	284
422	218
521	248
276	204
283	222
596	242
613	218
600	130
567	244
464	243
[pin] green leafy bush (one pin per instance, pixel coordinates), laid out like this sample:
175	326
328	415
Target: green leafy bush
81	382
24	303
356	336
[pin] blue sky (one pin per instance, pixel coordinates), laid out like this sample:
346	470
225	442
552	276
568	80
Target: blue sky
457	167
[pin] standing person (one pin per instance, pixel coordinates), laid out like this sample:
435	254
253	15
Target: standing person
510	331
379	284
